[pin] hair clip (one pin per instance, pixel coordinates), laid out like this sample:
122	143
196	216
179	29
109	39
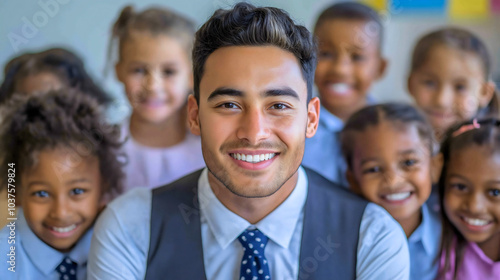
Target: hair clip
466	127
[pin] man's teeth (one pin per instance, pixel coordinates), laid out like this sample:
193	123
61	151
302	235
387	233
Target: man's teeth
253	158
64	229
476	222
340	87
397	196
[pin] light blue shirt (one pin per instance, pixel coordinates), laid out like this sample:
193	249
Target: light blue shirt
120	243
323	152
424	245
34	258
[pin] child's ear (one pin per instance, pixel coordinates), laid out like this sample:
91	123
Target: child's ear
118	71
409	81
487	92
193	115
353	184
104	200
382	67
436	167
312	117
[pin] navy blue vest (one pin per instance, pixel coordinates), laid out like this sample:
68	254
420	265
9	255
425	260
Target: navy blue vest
332	217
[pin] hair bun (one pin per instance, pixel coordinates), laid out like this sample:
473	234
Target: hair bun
125	15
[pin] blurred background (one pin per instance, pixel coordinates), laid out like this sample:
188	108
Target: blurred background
84	27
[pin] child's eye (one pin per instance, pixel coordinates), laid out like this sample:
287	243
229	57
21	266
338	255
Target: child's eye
169	72
358	57
494	192
77	191
325	55
410	162
139	71
429	83
460	87
458	187
40	194
374	169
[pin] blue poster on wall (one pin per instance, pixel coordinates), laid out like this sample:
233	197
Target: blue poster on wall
418	6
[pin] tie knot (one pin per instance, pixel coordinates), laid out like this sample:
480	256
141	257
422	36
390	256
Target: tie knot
67	269
254	241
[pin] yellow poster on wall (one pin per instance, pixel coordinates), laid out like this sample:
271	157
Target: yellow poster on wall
469	8
379	5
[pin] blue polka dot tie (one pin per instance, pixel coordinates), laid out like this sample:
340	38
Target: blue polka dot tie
254	265
67	269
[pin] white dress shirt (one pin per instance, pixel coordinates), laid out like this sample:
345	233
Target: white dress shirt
120	243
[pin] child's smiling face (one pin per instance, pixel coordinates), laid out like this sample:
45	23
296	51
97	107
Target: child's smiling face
450	87
391	166
472	194
156	73
61	197
349	62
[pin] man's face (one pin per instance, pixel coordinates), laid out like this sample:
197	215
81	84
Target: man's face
253	118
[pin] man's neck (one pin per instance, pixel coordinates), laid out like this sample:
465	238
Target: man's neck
252	209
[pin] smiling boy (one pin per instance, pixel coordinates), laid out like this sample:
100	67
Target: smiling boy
350	60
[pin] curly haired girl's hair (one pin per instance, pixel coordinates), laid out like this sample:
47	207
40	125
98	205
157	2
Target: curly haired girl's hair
58	119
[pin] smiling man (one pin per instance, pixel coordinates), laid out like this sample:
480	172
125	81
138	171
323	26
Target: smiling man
253	212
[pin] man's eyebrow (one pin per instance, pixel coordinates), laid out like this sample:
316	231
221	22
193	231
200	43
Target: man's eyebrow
224	92
286	91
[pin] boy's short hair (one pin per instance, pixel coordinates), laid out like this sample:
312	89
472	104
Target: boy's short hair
353	11
58	119
247	25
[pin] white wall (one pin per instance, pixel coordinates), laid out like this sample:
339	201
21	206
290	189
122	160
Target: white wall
83	26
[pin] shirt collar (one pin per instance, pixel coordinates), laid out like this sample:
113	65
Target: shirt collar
480	254
370	100
427	232
334	123
329	120
46	258
279	225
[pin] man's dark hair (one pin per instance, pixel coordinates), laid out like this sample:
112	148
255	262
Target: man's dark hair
247	25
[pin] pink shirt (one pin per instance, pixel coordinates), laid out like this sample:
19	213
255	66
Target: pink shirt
475	265
153	167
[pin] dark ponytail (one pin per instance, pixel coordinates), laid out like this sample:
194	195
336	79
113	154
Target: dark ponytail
117	33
